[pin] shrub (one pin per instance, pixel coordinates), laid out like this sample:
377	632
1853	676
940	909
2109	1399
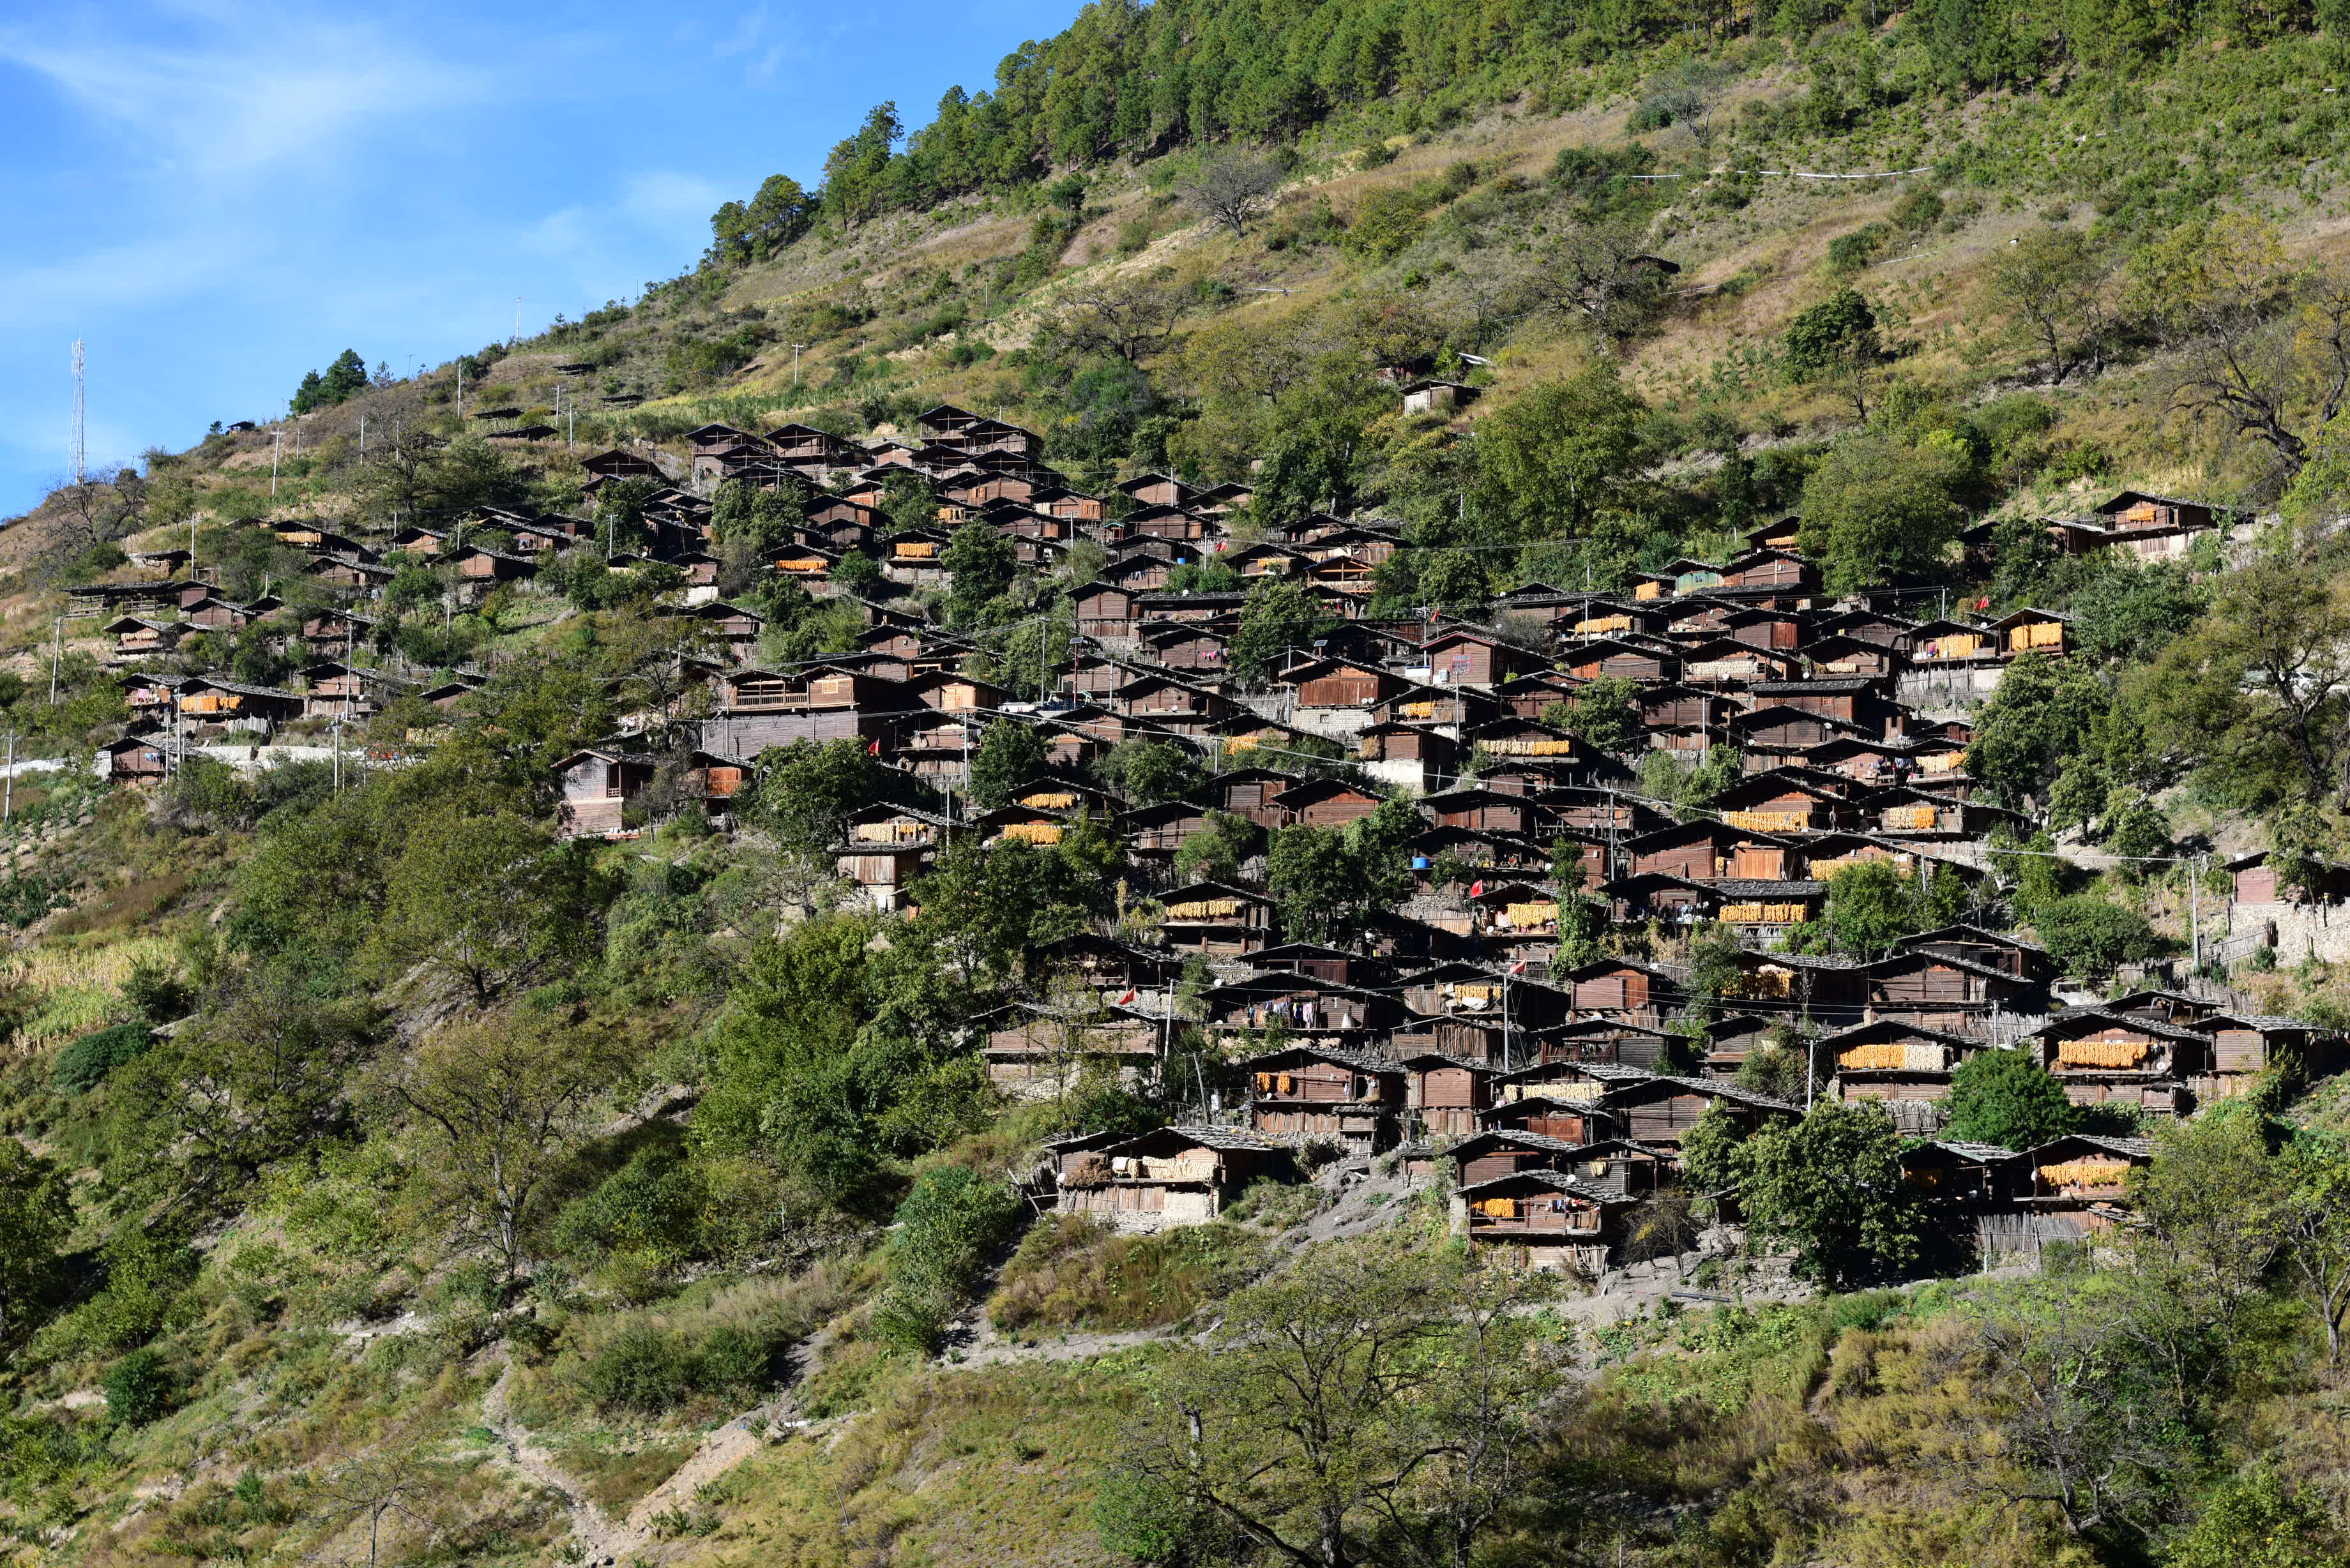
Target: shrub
650	1367
2091	937
948	1224
2006	1098
84	1064
137	1388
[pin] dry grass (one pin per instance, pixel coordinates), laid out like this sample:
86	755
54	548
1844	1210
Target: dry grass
70	987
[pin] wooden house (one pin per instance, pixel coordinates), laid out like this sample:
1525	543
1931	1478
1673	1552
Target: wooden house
1324	803
1895	1060
210	700
2246	1045
1445	1093
1216	921
2105	1057
2040	631
1104	610
596	788
137	638
2258	880
1174	1176
1622	988
1657	1111
1340	684
1542	1220
1305	1094
1302	1006
1462	657
2081	1175
133	758
1036	1052
1777	802
1624	661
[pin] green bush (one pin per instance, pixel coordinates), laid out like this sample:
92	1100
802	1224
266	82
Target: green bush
948	1224
649	1369
84	1064
137	1388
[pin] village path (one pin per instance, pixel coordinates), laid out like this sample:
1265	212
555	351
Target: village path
590	1523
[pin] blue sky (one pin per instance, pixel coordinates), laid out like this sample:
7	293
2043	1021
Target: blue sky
219	196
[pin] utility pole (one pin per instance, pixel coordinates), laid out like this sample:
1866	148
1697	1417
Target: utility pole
362	438
277	444
80	444
8	788
2195	907
57	657
518	331
795	362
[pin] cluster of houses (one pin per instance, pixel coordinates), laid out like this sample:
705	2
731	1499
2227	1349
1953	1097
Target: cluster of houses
1456	1034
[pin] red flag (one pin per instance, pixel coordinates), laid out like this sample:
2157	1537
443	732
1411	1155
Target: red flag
874	749
1519	967
1476	890
1123	1001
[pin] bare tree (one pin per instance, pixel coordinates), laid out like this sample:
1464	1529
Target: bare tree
1233	188
2265	351
1131	318
1601	275
391	1485
2052	283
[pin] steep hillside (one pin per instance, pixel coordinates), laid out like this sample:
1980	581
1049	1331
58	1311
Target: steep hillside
1345	784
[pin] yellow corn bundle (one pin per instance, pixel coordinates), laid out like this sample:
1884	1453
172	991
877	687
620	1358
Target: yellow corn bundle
916	552
871	833
212	702
2086	1173
2040	634
802	564
1474	993
1944	763
1767	982
1763	914
1050	800
1203	910
1767	821
1498	1208
2100	1052
1521	916
1416	711
1909	816
1528	748
1034	832
1605	624
1873	1058
1649	591
1239	744
1952	648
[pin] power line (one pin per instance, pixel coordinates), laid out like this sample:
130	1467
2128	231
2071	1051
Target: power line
80	444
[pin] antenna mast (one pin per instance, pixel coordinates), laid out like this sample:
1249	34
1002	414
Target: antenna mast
81	445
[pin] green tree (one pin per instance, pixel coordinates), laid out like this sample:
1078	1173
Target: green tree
2257	697
1835	342
1278	620
808	789
1603	710
1215	851
2317	1219
1713	1152
1562	457
2253	1520
980	565
2052	283
2045	711
2091	937
1010	754
35	1217
1370	1403
1314	877
2006	1098
1831	1185
485	900
1876	507
508	1100
1872	906
1149	772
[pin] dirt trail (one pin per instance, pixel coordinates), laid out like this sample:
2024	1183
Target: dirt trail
593	1527
731	1444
